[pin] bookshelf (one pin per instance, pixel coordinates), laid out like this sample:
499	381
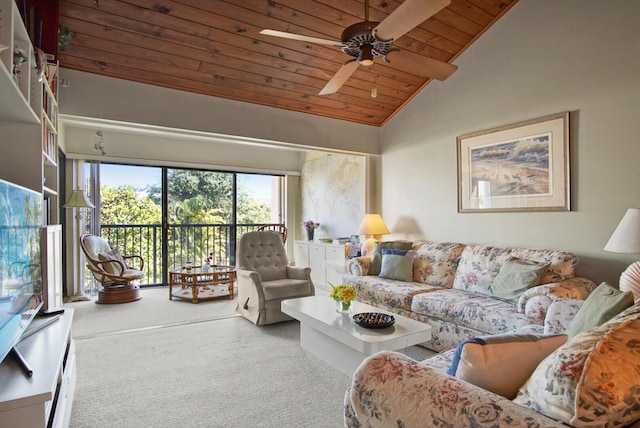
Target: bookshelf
28	110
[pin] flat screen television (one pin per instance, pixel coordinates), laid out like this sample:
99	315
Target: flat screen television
20	262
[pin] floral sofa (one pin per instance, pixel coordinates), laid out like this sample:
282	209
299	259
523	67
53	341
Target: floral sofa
592	380
450	289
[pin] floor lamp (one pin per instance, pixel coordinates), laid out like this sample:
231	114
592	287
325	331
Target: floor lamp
626	239
78	200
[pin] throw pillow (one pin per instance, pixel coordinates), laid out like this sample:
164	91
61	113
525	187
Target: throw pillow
502	363
593	379
113	254
601	305
396	265
515	277
376	259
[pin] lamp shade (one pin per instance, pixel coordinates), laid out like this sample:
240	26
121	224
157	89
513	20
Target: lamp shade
372	224
626	237
78	199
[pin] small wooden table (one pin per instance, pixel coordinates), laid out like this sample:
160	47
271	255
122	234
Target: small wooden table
198	284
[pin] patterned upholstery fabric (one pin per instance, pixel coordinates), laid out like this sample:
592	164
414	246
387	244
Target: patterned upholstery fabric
470	278
450	291
543	295
444	334
592	380
560	314
436	263
359	266
474	310
391	390
387	293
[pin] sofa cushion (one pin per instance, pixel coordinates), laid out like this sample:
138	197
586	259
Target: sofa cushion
387	293
502	363
477	311
376	259
515	277
480	264
397	264
603	303
435	263
592	380
112	255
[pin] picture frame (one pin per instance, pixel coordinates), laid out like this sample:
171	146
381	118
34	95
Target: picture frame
520	167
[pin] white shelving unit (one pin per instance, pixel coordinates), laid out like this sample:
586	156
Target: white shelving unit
17	86
45	399
28	114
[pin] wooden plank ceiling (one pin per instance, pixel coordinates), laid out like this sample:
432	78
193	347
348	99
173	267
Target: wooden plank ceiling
213	47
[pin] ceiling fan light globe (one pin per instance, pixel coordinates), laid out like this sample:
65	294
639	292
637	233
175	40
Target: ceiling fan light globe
366	56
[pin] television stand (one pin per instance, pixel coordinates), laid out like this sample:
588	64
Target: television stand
17	356
45	399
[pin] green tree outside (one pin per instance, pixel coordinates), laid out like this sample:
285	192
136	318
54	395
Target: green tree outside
203	199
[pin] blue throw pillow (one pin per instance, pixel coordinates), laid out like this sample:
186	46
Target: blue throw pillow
397	266
393	251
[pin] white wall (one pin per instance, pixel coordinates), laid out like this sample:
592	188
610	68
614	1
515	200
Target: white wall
102	97
543	57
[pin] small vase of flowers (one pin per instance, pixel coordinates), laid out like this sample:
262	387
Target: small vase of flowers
343	294
207	263
310	226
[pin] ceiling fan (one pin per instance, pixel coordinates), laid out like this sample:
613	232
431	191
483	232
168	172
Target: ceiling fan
366	40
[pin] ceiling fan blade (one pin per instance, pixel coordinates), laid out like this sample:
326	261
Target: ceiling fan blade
341	76
406	17
420	65
302	38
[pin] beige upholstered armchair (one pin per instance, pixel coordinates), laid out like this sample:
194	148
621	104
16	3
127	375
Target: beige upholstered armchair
114	271
265	278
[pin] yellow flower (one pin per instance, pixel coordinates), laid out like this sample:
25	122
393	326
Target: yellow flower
342	293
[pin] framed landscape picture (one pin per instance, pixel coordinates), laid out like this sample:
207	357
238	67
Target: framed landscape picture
519	167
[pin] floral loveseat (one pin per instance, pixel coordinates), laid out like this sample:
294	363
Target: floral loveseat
450	289
592	380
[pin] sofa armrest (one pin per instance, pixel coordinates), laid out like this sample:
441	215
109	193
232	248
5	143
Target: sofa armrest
391	389
536	300
560	314
359	266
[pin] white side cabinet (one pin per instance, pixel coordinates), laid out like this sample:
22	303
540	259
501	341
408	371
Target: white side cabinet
43	400
325	261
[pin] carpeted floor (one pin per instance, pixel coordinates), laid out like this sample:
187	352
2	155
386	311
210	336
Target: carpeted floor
154	309
161	363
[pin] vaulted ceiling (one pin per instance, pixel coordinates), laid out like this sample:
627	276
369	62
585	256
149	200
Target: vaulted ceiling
213	47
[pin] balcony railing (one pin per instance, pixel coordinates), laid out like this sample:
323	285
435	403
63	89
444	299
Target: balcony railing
185	243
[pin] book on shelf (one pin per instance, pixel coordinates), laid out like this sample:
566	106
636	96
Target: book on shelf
340	241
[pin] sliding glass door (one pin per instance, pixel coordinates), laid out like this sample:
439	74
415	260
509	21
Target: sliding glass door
200	217
172	216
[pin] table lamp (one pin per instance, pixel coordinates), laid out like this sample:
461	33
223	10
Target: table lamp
372	227
626	239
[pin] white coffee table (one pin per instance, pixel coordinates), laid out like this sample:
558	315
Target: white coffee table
339	341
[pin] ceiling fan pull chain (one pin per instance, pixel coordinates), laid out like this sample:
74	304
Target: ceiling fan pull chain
374	91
